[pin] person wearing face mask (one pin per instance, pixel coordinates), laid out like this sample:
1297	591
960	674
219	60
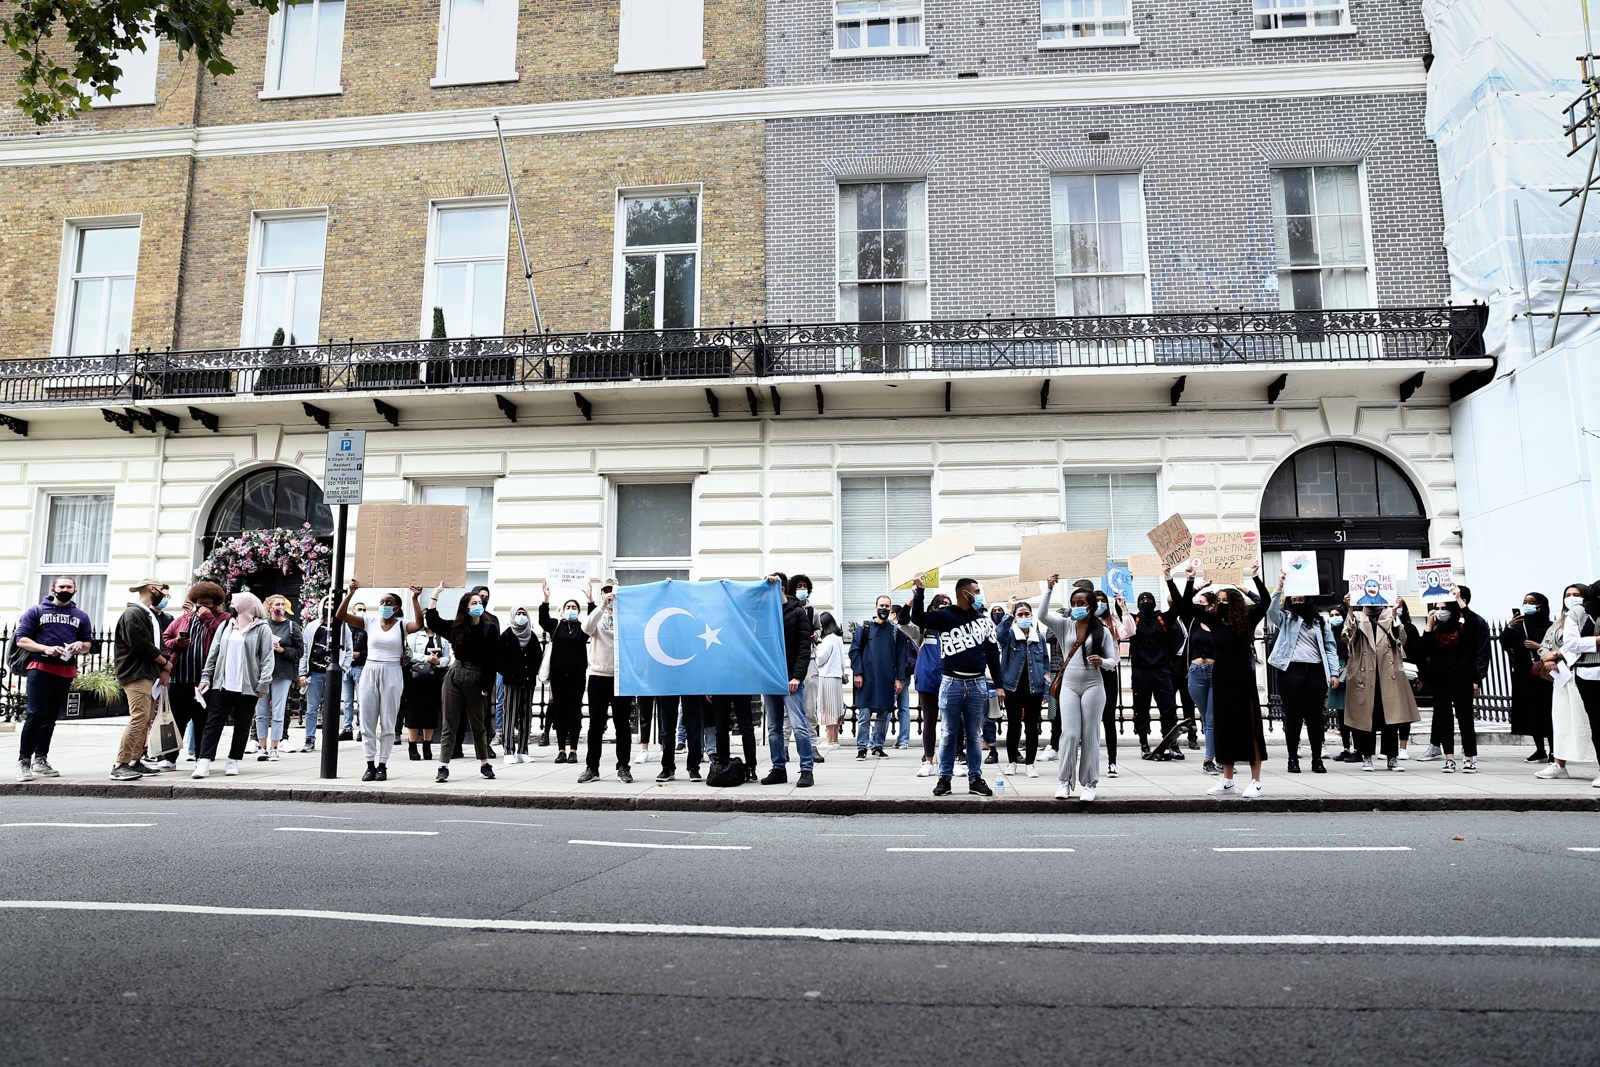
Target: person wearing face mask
569	664
1024	677
1450	642
877	662
519	660
187	640
286	647
316	650
830	663
787	708
57	632
1153	639
383	679
1200	654
1088	651
1235	703
966	648
1574	729
1112	620
1306	657
601	626
139	660
1334	701
424	694
475	651
237	674
926	675
1531	693
1378	696
352	659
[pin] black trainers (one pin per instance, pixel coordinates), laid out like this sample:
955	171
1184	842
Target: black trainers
980	787
879	753
370	774
994	756
1293	766
141	767
861	753
587	775
383	772
1144	747
681	747
749	773
443	775
1175	753
486	770
776	776
804	781
942	788
1317	766
123	773
544	739
694	774
666	776
625	775
345	735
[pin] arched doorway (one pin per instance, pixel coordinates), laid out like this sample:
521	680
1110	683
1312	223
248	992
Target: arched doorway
265	499
1337	498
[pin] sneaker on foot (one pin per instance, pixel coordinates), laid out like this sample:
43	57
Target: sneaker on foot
1252	790
1088	793
1050	755
443	775
251	748
275	755
926	770
166	765
1449	766
694	774
625	775
232	767
1394	764
587	776
941	788
1221	788
1434	752
202	769
1469	765
370	774
980	787
486	770
1111	770
42	768
805	781
25	771
861	753
1011	768
1031	772
1404	754
993	757
262	756
666	776
383	772
1366	764
776	776
879	753
124	773
1210	767
141	767
1553	770
1064	791
310	745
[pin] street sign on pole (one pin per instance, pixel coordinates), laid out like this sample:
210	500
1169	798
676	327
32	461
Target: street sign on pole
342	476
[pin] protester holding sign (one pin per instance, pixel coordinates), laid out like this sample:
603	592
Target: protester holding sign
1153	639
877	662
475	645
1378	696
1088	653
1574	724
569	665
1306	655
383	681
1450	641
926	676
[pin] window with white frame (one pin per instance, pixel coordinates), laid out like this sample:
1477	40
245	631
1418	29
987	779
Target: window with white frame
137	84
102	264
653	531
1320	237
661	35
879	518
883	252
658	261
77	545
287	289
1302	16
1099	244
479	502
477	42
877	27
305	49
1125	505
467	245
1080	22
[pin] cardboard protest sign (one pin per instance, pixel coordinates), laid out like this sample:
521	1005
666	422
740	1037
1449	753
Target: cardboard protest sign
1078	554
1145	565
1373	589
567	573
1225	555
937	551
411	544
1435	579
1173	542
1300	574
1119	582
1000	590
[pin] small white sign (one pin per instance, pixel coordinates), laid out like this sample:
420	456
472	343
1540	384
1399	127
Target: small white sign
567	573
342	476
1300	574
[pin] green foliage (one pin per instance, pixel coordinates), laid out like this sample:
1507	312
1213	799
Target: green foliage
57	83
277	337
101	684
438	323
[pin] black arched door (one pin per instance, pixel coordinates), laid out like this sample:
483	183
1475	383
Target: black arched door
1336	498
271	498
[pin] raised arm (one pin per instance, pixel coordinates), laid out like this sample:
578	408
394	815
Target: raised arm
355	622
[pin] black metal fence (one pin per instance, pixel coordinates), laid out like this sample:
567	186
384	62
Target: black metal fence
763	350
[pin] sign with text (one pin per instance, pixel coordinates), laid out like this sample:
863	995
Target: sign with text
567	573
1173	542
937	551
1224	556
1374	589
411	544
1119	582
1078	554
1000	590
1300	574
342	475
1145	565
1436	579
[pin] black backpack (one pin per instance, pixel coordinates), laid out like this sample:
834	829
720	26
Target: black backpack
725	775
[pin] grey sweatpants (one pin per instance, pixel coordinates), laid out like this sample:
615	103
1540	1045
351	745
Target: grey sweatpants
1083	702
381	687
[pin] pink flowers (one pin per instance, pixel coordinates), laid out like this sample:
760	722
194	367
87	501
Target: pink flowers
283	550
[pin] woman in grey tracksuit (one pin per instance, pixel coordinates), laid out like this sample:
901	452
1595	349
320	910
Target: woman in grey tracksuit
1088	651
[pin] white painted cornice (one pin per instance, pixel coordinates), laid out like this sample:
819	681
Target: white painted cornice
737	105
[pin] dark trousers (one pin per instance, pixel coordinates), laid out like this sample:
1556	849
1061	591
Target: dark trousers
928	712
1589	693
646	716
1113	680
1452	707
1178	675
1304	691
47	699
1022	712
186	710
1158	684
221	706
725	710
667	709
464	706
604	703
1367	740
566	708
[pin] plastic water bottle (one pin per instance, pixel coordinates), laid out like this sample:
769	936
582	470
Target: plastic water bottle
999	785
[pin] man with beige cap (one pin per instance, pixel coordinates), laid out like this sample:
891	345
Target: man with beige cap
139	661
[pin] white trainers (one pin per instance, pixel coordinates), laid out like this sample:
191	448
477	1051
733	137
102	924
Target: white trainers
1011	768
1433	753
1253	790
202	769
1366	763
926	770
1222	788
251	748
1552	770
24	770
232	767
1051	755
1064	791
275	755
1031	772
166	765
1405	755
1469	765
1111	770
1088	793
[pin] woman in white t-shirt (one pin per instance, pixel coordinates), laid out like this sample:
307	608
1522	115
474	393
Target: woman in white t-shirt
831	665
383	682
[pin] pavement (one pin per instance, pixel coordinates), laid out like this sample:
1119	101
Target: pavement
163	931
83	753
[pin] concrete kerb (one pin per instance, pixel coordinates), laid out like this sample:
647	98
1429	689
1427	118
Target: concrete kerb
725	802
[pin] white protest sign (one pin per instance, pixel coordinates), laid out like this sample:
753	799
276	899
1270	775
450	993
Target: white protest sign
1300	574
567	573
1435	581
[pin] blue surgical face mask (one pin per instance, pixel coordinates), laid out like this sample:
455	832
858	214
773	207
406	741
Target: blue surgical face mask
802	593
1100	609
978	602
475	611
386	611
572	614
1530	609
162	603
1024	622
1080	613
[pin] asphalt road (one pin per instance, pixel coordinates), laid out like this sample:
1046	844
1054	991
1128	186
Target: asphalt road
1187	954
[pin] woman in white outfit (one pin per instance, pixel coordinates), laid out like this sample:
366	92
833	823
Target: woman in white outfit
1088	651
383	680
1572	739
830	667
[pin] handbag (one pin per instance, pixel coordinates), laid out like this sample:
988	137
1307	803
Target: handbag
726	775
164	740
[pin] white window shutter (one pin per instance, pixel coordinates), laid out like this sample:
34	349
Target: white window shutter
501	49
686	33
138	82
661	35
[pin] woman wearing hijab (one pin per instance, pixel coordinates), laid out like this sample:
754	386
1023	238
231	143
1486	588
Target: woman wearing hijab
1450	640
1024	675
383	680
926	677
1235	703
569	666
1531	692
520	656
1571	736
238	672
430	659
831	664
1378	695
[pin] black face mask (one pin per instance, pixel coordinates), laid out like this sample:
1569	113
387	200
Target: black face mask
883	614
64	597
1147	605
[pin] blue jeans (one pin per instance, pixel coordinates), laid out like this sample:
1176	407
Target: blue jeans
963	706
499	705
316	685
903	738
793	707
1200	692
349	688
47	699
875	721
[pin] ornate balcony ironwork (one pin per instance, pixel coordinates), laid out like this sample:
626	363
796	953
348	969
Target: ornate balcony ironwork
1177	341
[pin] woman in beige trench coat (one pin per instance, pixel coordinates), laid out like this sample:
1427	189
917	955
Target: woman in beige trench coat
1375	683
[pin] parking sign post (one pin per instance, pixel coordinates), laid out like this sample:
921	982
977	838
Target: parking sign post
341	484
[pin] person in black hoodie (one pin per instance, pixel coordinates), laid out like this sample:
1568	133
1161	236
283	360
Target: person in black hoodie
1155	640
1451	638
966	647
569	664
520	656
797	630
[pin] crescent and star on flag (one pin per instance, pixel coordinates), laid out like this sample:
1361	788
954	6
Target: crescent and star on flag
652	636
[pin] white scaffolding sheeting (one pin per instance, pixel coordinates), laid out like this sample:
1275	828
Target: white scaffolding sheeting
1502	74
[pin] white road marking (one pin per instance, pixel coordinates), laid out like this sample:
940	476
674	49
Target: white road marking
341	830
872	835
708	833
81	825
1080	835
1575	848
296	815
932	849
491	822
1317	848
134	813
806	933
652	844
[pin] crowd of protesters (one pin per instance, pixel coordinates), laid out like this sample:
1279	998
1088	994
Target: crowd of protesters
979	671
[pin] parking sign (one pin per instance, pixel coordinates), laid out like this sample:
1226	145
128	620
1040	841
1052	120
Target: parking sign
342	476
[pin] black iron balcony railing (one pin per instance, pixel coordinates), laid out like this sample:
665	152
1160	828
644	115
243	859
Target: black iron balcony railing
1216	339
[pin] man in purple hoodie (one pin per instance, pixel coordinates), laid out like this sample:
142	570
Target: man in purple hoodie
57	632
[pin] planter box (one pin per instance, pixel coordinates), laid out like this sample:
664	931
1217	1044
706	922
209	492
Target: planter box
289	380
387	375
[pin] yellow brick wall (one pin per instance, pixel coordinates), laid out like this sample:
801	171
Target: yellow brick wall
174	106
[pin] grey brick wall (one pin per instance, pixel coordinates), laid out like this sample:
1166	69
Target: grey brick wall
1207	197
999	37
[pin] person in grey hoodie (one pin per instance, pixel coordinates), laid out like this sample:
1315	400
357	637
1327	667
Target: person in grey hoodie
601	626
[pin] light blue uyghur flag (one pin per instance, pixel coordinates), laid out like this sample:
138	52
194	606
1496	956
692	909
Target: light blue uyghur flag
706	638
